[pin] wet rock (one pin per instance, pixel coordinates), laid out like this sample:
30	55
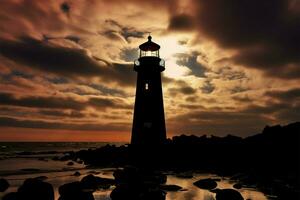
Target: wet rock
127	192
41	178
237	186
185	175
11	196
207	184
70	163
133	183
93	182
74	191
3	184
77	174
216	190
35	189
229	194
170	187
135	176
216	179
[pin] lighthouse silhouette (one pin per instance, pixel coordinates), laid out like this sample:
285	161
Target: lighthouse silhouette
149	120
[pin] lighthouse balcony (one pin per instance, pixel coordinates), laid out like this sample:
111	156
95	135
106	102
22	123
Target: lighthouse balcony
138	63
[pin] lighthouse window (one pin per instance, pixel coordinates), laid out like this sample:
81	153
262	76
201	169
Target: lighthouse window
146	86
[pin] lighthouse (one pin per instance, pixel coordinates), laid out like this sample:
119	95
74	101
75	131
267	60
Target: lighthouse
149	119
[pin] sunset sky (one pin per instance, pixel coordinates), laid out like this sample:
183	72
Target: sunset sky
66	72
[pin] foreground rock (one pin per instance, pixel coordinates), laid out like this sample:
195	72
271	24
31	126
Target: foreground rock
74	191
237	186
135	184
3	184
84	189
33	189
11	196
207	184
36	189
228	194
170	187
94	183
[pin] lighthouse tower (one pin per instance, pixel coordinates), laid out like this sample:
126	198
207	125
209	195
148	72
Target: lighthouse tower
149	120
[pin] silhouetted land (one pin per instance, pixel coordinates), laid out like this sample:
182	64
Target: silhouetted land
268	160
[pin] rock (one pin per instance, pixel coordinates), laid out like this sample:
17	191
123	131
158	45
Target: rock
229	194
237	186
77	174
93	182
70	163
41	178
170	187
207	184
11	196
35	189
134	176
126	192
216	179
185	175
133	183
74	191
3	185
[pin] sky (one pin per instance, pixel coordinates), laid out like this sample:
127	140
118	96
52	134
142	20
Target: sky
66	67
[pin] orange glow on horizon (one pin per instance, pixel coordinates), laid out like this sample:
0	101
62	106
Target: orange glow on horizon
46	135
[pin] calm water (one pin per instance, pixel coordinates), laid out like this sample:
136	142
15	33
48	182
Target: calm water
11	148
14	168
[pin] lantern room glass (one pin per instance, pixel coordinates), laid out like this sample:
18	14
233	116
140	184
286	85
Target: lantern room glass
149	53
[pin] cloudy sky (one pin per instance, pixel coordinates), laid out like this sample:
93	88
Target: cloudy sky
66	74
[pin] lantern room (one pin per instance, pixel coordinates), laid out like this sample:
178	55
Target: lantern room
149	49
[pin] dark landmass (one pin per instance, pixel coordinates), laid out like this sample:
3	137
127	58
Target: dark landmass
268	160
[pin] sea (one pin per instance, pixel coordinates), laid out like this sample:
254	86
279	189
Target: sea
22	160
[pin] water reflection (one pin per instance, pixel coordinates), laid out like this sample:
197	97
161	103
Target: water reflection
189	192
194	193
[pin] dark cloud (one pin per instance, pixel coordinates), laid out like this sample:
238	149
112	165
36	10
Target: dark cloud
208	87
285	96
265	33
228	73
129	54
63	103
238	89
219	122
60	113
119	30
64	61
41	102
65	7
242	99
187	90
181	22
13	122
98	102
182	88
190	61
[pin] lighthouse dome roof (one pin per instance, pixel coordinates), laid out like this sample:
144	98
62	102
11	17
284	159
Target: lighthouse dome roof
149	45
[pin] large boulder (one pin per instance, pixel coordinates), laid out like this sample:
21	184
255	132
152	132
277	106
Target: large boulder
74	191
134	176
3	185
11	196
123	192
228	194
207	184
170	187
93	182
36	189
136	184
